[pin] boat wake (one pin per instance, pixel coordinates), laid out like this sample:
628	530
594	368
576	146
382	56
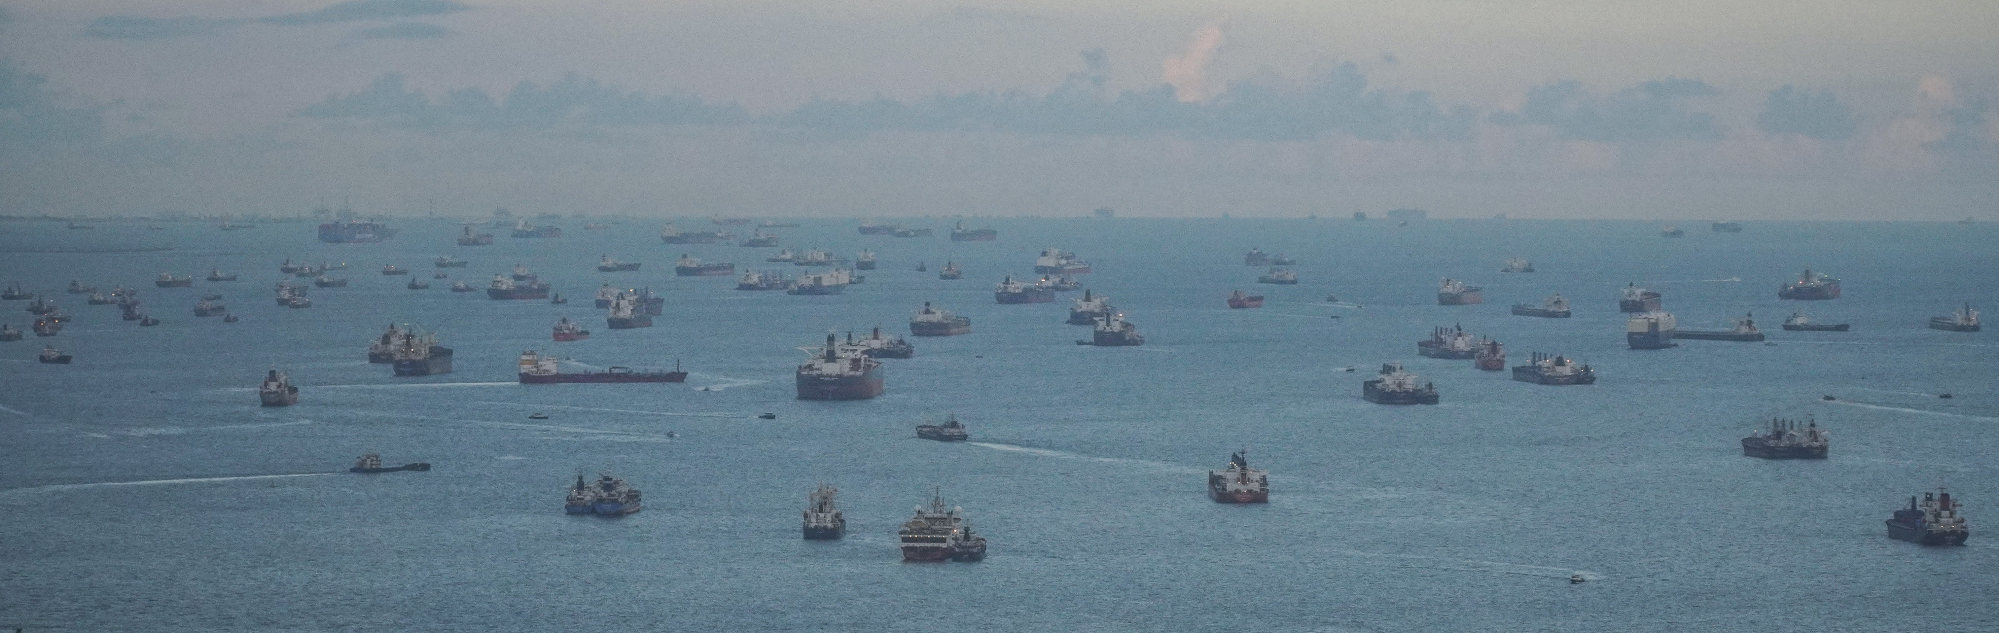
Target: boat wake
1044	452
177	430
1864	405
153	482
15	411
670	414
1468	564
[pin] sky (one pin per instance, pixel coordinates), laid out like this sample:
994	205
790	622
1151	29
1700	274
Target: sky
1605	109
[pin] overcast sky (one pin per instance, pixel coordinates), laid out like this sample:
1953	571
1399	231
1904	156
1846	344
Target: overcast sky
1468	108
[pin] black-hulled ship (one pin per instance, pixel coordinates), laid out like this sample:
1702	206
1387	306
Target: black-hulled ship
930	321
1637	300
1810	286
1934	521
1651	330
536	369
1553	307
1452	292
1544	369
383	349
507	288
1744	330
420	355
1012	292
823	520
1089	308
1114	331
878	345
1786	439
372	463
961	234
1798	322
950	430
277	390
1395	386
691	267
1448	342
1964	319
1239	483
938	534
831	374
625	314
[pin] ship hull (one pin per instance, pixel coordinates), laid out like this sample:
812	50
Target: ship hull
613	508
1460	298
823	533
1707	335
1528	373
1031	296
939	329
416	467
436	364
1649	340
576	508
1840	327
1917	534
941	436
1425	348
1061	270
1371	393
974	236
1490	363
618	268
706	270
1286	281
865	386
816	290
1085	318
1751	448
1818	293
1237	304
1527	310
627	323
517	293
353	233
1238	496
54	360
278	399
916	554
604	377
1949	325
174	283
565	337
1113	339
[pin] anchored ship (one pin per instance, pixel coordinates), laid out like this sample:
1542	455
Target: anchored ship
1798	322
1256	257
1055	261
950	430
1491	356
1517	265
1744	330
329	281
1637	300
784	257
950	271
1239	483
1113	331
52	356
524	230
865	261
15	293
277	390
1964	319
1810	286
823	521
1395	386
759	239
691	267
1553	307
905	232
372	463
605	295
214	274
878	345
608	265
933	322
939	534
420	355
625	314
1448	342
1651	330
961	234
567	330
536	369
833	375
1279	276
1091	307
1725	227
1237	300
348	230
1456	293
670	235
170	280
1672	231
508	288
1544	369
205	307
469	238
815	257
448	261
1011	292
611	497
1063	283
1934	521
8	333
763	280
392	269
876	228
1786	439
383	350
827	283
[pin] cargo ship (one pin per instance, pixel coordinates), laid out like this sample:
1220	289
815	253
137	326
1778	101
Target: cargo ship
1964	319
205	307
865	261
289	296
1671	231
950	430
8	333
691	267
505	288
214	274
832	375
823	520
1448	342
372	463
15	293
1281	259
566	330
1637	300
605	295
170	280
876	228
907	232
420	355
1239	483
1237	300
460	286
1395	386
392	269
1491	356
815	257
1089	309
383	350
827	283
1544	369
536	369
417	284
933	322
878	345
1651	330
329	281
607	265
1279	276
961	234
1517	265
783	257
1934	521
1452	292
348	230
938	534
1553	307
469	238
612	497
1063	283
1256	257
77	287
1055	261
580	497
450	262
277	390
1114	331
1012	292
759	239
950	271
762	280
42	306
1798	322
670	235
1810	286
52	356
625	314
528	231
1744	330
1786	439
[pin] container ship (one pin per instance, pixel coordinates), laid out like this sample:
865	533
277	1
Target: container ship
1011	292
420	355
1544	369
1448	342
1786	439
470	238
1491	356
691	267
506	288
1279	276
277	390
1798	322
1651	330
1810	286
670	235
1452	292
608	265
832	375
878	345
625	314
528	231
1395	386
1114	331
1637	300
933	322
1089	308
823	520
372	463
1934	521
961	234
1517	265
1553	307
1964	319
950	430
348	230
383	350
1744	330
536	369
1055	261
1237	301
1239	483
938	534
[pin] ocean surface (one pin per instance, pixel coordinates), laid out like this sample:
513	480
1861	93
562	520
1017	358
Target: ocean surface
142	488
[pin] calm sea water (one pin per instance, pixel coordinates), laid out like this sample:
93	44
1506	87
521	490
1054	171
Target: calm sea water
143	489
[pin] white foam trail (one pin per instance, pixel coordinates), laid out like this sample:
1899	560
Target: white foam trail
727	382
16	411
177	430
1864	405
1482	565
153	482
1043	452
673	414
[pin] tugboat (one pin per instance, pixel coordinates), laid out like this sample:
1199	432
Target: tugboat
933	322
1451	342
670	235
372	463
8	333
1279	276
52	356
1013	292
937	534
1798	322
383	350
1964	319
759	239
1256	257
1810	286
961	234
468	238
1651	330
1637	300
1933	522
214	274
614	497
875	345
1491	356
168	280
420	355
505	288
451	262
865	261
950	430
1055	261
15	293
392	269
827	283
625	314
608	265
833	375
783	257
1237	301
1554	370
567	330
1239	483
763	280
950	271
1395	386
1553	307
1787	440
1114	331
1744	330
1455	293
1517	265
691	267
277	390
536	369
823	521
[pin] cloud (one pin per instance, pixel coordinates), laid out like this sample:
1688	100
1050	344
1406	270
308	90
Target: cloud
125	27
1188	71
573	99
403	31
1653	110
31	115
1819	115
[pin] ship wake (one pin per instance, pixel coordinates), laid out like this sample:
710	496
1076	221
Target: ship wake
1880	407
154	482
1474	565
1044	452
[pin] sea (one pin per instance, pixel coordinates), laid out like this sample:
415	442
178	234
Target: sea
143	488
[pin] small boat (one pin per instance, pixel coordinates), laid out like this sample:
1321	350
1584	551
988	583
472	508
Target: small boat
1798	322
537	416
766	416
52	356
1576	579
